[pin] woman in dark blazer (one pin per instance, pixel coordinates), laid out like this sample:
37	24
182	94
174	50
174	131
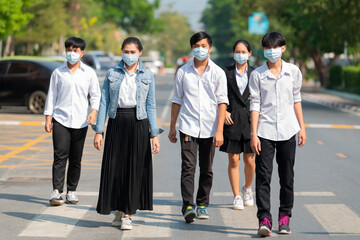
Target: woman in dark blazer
237	125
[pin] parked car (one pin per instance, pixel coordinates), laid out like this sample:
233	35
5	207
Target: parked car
100	62
25	81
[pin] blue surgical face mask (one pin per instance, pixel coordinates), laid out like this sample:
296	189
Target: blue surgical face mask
241	58
72	57
200	53
273	54
130	59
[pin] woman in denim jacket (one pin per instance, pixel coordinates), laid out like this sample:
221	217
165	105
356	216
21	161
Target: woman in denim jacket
128	96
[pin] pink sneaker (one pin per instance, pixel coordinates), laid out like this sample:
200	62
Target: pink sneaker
264	228
284	222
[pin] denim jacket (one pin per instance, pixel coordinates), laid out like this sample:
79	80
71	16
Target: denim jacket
145	97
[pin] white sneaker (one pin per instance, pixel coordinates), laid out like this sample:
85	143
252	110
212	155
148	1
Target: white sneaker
126	223
248	196
238	203
71	197
56	198
117	219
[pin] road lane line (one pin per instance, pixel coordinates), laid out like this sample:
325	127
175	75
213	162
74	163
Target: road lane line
24	147
341	155
223	194
155	224
336	219
240	223
167	107
55	222
315	194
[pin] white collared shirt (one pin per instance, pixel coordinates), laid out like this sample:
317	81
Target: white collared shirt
127	92
199	97
241	80
67	99
274	99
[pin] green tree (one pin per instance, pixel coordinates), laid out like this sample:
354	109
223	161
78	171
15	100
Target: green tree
132	15
173	40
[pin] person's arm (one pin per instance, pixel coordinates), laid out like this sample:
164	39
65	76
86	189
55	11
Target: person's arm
254	87
175	109
219	137
177	102
298	109
95	94
50	102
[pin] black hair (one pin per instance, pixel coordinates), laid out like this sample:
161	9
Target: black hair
133	40
75	43
200	36
273	40
243	41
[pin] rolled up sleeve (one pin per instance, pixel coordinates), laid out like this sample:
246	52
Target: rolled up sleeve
254	87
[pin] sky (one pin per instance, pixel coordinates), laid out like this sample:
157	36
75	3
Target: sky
191	9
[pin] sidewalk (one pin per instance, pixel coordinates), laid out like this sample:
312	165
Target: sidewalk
343	101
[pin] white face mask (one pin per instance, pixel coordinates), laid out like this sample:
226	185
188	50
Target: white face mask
72	57
241	58
273	54
200	53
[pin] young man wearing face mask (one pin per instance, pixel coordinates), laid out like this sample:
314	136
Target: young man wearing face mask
66	116
276	117
200	97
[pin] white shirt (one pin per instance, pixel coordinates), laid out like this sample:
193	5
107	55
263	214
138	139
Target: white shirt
199	97
241	80
67	99
127	92
274	98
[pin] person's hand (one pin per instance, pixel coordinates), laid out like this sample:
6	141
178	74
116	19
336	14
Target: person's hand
172	135
98	141
155	145
301	137
48	124
218	139
228	120
92	117
255	145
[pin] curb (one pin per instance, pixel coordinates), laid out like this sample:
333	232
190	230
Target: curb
343	106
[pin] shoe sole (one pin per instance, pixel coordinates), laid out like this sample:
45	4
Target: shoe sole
248	205
264	232
126	228
190	217
71	202
284	232
238	208
203	217
56	203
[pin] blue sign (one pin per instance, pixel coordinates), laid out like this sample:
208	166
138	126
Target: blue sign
258	23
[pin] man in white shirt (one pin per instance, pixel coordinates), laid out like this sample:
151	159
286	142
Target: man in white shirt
66	112
276	117
201	98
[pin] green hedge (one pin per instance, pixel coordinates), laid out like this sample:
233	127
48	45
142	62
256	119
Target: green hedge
350	75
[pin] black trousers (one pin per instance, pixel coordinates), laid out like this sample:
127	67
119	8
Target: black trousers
285	158
189	148
68	144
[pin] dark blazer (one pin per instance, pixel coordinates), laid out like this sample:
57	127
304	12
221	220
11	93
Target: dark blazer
239	106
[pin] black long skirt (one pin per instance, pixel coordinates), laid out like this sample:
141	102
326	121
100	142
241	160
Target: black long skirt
126	182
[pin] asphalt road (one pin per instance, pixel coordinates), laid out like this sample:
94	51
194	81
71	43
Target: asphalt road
326	185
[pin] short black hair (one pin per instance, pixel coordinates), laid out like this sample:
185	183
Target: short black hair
273	40
75	43
133	40
243	41
200	36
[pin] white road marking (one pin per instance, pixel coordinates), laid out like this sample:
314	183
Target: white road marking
315	194
55	221
167	107
155	194
155	224
223	194
336	219
240	223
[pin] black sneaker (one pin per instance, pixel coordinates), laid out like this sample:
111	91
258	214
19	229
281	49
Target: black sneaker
284	222
56	198
265	228
189	214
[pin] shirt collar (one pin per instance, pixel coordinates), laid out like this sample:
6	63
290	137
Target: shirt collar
208	67
82	66
285	69
238	74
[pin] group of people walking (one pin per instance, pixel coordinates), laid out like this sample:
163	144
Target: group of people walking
239	109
